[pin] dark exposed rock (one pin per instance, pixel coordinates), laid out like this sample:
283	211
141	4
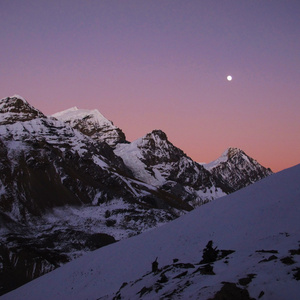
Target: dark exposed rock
181	275
17	109
230	291
20	265
207	269
295	251
246	280
24	258
98	240
272	257
184	265
288	260
145	290
210	253
267	251
297	273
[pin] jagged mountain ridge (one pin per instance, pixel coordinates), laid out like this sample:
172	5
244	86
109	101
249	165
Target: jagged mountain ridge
92	123
155	160
64	155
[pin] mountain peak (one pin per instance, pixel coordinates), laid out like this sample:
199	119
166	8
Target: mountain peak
16	108
93	124
19	97
155	140
72	114
12	103
158	133
231	151
237	169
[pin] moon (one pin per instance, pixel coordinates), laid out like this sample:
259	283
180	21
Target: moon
229	77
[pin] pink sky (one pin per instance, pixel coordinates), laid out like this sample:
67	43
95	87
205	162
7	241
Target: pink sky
162	65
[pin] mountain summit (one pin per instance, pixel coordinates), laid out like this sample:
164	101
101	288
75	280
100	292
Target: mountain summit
16	108
237	169
92	123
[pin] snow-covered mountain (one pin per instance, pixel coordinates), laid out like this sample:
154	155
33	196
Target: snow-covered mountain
155	160
237	169
43	158
243	246
63	193
92	123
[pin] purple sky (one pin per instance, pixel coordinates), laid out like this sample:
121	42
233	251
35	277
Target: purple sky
162	65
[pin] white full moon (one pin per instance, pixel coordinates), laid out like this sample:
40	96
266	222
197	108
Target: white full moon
229	77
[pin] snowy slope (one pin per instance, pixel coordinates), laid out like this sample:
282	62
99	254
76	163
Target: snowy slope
259	223
93	124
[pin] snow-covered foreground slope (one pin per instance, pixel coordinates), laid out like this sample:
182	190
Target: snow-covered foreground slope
259	223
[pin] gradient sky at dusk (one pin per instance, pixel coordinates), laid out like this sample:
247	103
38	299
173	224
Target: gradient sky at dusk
162	65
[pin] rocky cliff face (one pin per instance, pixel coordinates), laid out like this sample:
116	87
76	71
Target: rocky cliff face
237	169
92	123
153	159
